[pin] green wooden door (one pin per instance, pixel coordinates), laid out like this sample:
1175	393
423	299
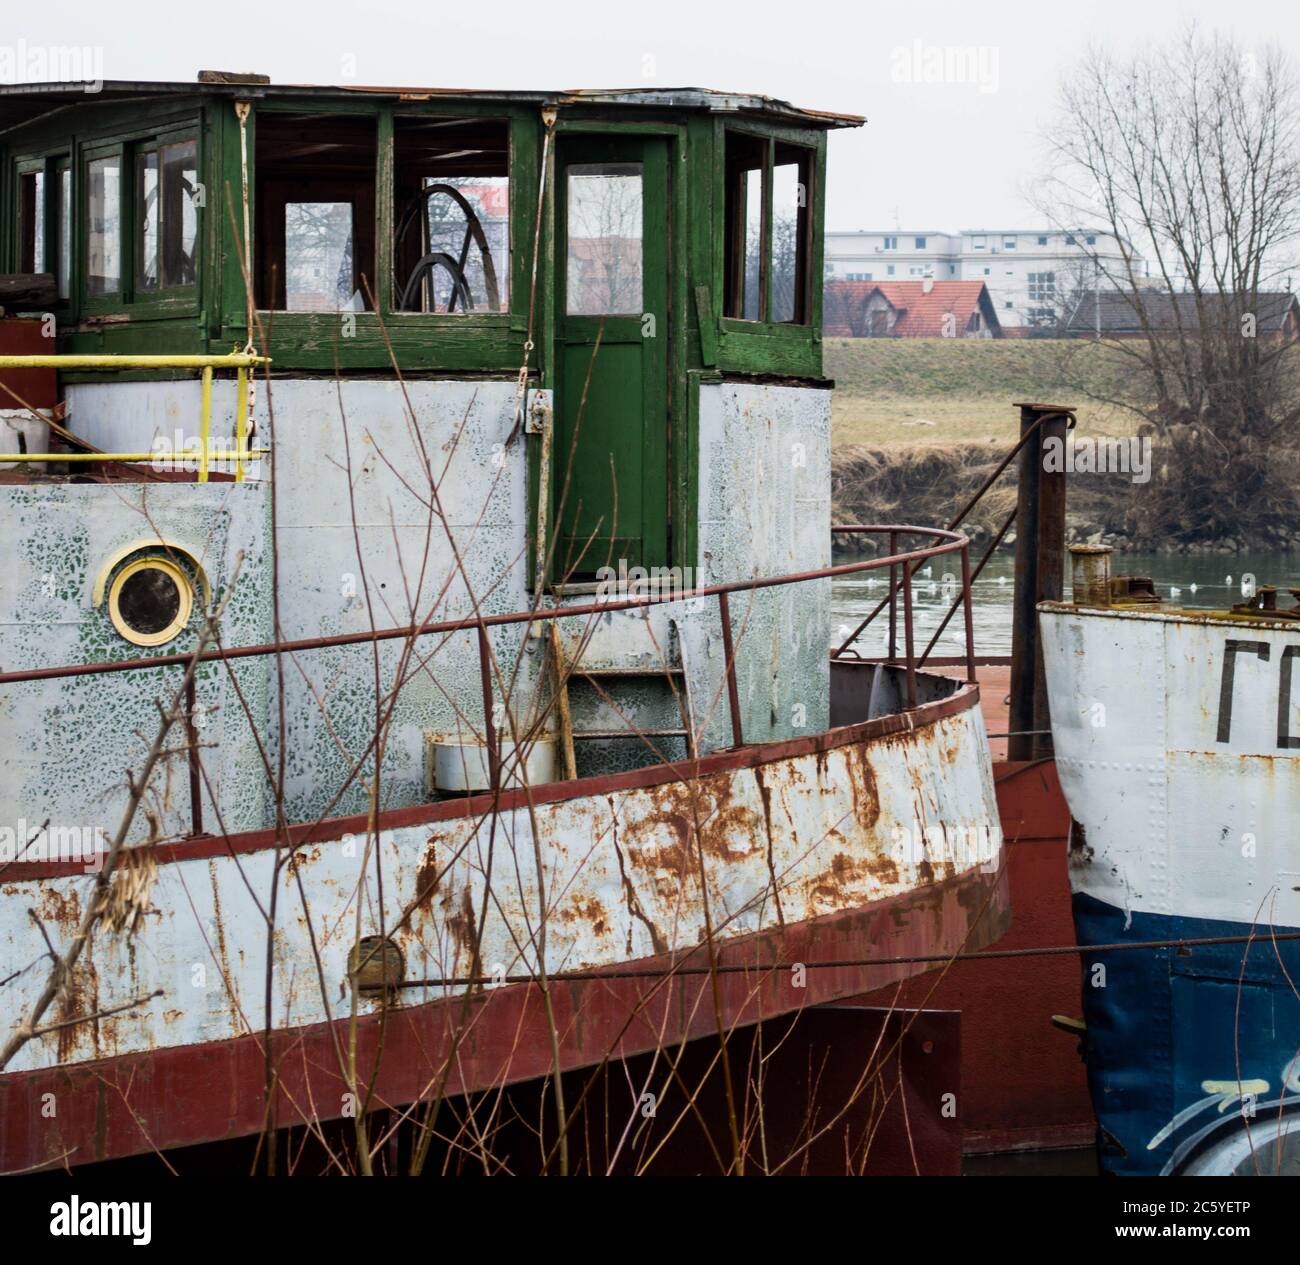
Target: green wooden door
610	480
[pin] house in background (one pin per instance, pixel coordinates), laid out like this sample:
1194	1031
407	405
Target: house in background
1032	275
909	309
1116	314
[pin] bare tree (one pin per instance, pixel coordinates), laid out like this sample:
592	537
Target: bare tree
1187	155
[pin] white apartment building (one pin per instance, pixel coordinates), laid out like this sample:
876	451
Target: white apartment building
1031	274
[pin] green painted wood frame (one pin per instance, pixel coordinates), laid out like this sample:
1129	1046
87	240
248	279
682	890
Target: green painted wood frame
612	409
687	238
767	347
469	342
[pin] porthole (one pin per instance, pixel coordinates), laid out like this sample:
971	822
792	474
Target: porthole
150	600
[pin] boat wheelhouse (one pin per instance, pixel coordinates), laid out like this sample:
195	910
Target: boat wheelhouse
415	644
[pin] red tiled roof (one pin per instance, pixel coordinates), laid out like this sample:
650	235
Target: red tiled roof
921	314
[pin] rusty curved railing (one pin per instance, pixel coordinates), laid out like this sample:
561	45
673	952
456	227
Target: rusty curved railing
1029	431
909	562
947	542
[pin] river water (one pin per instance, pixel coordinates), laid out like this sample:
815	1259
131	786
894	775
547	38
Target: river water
1192	580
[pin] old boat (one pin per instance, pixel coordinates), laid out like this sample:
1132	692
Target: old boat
1175	734
415	632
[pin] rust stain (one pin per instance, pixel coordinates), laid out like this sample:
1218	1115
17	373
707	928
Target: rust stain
765	793
223	957
665	838
79	997
426	876
633	904
585	910
60	907
862	782
462	926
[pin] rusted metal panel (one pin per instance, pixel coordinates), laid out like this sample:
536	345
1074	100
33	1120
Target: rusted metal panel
1179	721
819	856
783	842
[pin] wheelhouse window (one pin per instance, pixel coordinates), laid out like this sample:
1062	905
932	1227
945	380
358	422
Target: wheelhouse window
314	243
104	225
743	207
141	200
166	215
44	220
31	222
603	265
63	227
791	180
451	215
767	206
318	271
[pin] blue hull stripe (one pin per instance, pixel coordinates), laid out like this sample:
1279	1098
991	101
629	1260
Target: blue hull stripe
1173	1037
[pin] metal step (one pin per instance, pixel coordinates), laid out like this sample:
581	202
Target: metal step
611	688
610	734
628	672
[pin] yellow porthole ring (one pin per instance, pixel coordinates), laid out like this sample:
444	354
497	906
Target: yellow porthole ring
150	600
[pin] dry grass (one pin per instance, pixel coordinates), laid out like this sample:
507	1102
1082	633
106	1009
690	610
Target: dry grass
903	393
942	421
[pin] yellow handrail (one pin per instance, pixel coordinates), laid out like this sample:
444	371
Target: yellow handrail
249	454
240	361
235	360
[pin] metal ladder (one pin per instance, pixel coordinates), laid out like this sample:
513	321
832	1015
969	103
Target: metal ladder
564	671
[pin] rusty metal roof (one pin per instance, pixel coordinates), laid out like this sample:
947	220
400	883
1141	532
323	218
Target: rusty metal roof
20	103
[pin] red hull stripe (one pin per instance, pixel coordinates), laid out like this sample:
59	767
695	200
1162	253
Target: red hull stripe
181	1096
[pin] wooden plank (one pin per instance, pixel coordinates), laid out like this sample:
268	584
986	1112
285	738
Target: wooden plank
23	289
708	331
564	717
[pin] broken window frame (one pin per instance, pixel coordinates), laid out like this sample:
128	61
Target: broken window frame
158	144
58	227
126	299
504	268
28	227
731	252
270	194
490	332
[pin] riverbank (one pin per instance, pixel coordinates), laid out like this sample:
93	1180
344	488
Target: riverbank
919	425
928	483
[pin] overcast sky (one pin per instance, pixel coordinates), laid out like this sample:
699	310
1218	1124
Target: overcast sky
933	156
